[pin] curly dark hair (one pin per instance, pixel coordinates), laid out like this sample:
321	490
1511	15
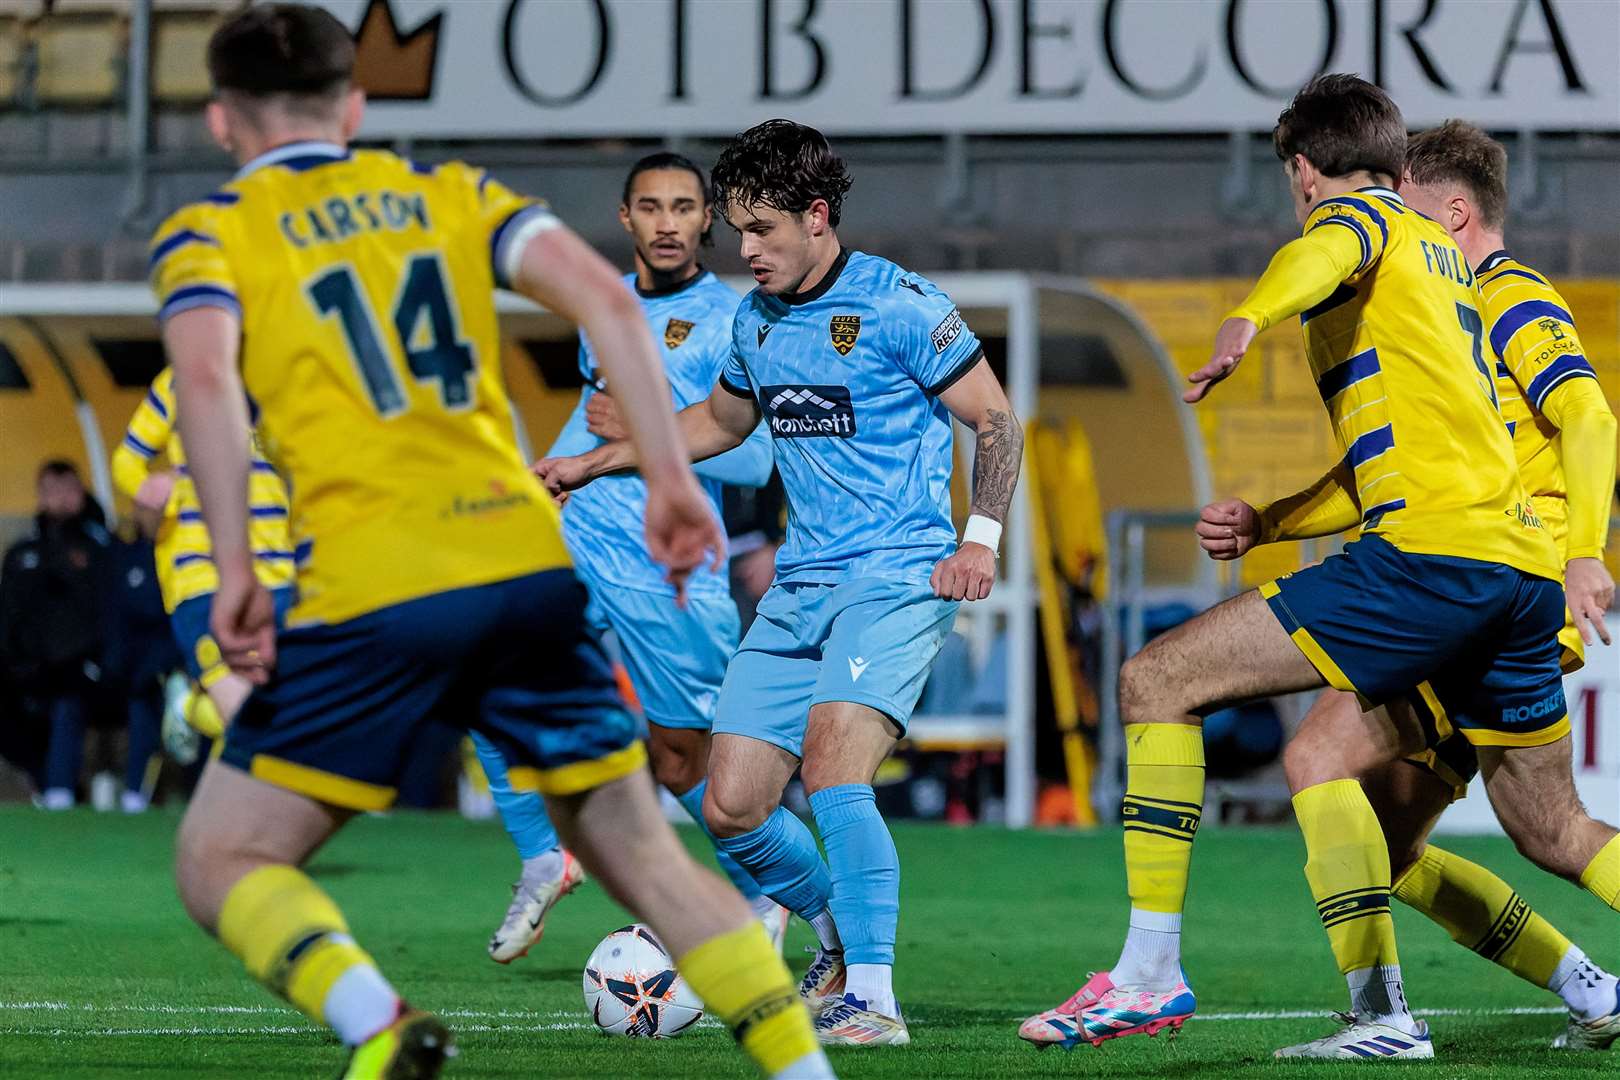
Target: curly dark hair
1343	124
783	165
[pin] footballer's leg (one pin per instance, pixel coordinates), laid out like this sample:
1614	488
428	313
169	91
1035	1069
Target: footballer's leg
1348	865
237	857
742	809
1481	912
845	742
759	725
1233	651
549	872
723	952
679	757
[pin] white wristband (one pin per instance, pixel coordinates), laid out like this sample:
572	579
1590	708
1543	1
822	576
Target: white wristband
983	530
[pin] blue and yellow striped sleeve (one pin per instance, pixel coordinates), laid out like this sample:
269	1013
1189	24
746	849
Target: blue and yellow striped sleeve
506	219
1361	217
1532	333
187	265
147	435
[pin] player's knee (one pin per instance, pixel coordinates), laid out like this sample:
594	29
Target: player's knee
1303	764
1552	844
200	861
727	815
1139	689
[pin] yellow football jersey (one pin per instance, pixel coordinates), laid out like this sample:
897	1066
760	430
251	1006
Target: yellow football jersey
185	566
1537	352
365	286
1398	354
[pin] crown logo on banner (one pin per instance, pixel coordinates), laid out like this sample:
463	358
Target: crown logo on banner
394	66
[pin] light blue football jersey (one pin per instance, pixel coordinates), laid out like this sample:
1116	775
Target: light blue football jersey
848	377
602	522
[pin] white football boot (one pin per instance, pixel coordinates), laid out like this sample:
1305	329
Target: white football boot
1365	1040
824	981
1599	1034
526	917
774	917
847	1022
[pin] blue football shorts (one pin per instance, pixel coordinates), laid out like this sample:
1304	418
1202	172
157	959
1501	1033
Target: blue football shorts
868	640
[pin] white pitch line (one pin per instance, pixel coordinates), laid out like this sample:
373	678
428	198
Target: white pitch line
523	1020
1315	1014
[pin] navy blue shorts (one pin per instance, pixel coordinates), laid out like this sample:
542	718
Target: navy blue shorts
513	660
1475	644
189	621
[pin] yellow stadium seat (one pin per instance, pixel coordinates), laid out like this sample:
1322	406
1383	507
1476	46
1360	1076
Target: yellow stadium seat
81	59
180	55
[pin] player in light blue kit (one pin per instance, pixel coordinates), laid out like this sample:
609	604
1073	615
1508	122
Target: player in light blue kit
857	367
676	656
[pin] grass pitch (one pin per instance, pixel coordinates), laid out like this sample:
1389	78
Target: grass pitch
102	976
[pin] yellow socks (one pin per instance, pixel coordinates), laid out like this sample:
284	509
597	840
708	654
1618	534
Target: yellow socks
1480	911
1347	865
202	714
1164	799
743	982
1601	877
293	939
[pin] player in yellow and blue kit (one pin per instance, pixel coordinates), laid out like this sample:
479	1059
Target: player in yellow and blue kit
857	367
351	294
1563	439
1450	594
676	656
149	468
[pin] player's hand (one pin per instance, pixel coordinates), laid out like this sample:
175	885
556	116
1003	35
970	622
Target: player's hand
1231	342
682	532
243	622
153	494
1589	590
563	474
1228	529
966	575
602	417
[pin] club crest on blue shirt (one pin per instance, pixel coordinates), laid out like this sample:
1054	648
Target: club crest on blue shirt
844	329
675	332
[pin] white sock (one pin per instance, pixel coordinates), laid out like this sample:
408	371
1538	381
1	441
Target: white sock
546	866
1151	959
360	1004
762	906
813	1066
826	931
873	984
1376	994
1587	989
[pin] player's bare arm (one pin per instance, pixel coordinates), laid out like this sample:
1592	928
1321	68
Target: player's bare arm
1301	274
978	401
720	422
1231	528
562	272
213	420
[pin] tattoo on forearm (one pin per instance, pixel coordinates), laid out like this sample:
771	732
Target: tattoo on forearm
996	463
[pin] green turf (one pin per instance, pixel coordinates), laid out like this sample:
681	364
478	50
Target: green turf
993	926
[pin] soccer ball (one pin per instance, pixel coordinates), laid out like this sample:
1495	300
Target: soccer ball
632	987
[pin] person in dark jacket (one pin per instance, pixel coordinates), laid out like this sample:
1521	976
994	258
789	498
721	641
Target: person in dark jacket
55	592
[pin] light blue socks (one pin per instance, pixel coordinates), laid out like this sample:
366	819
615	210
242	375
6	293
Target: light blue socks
783	858
522	812
865	870
693	802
